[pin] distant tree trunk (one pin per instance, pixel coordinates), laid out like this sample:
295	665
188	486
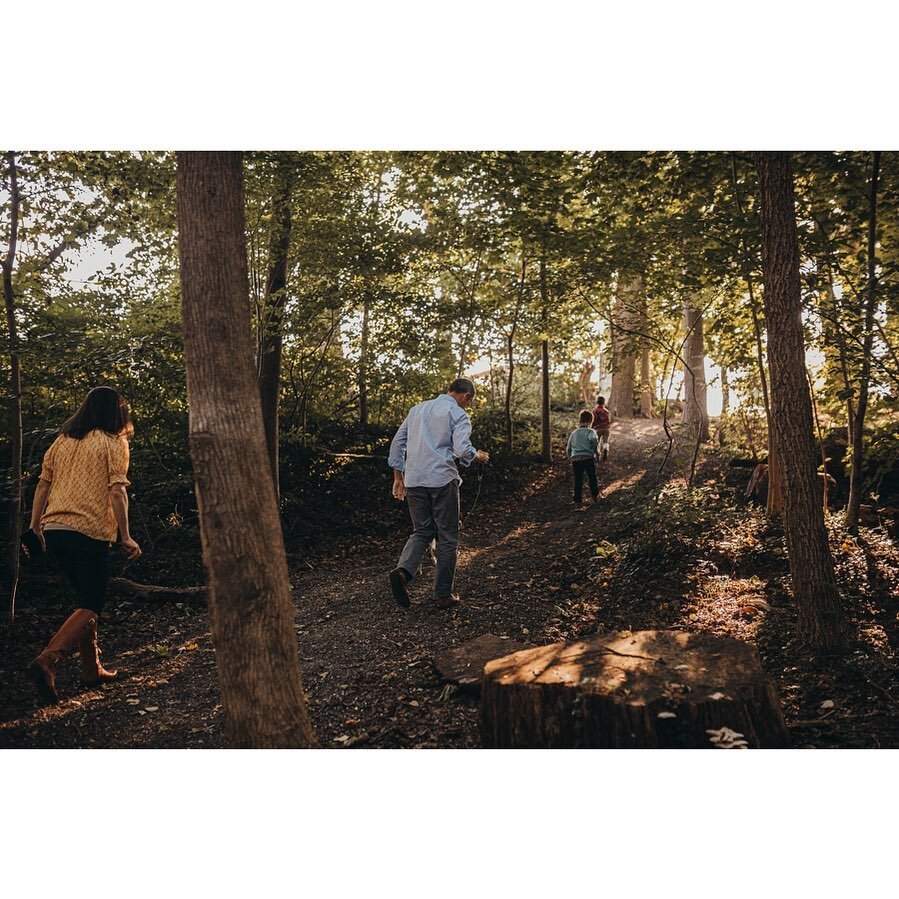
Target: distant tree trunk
725	402
821	621
645	384
250	608
270	339
15	395
627	300
696	410
546	441
584	383
858	426
725	391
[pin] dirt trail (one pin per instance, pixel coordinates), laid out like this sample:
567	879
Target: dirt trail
366	663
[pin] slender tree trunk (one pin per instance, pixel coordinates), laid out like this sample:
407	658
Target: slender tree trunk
821	621
510	344
546	438
834	343
250	607
510	347
363	365
270	340
15	395
858	426
775	495
696	411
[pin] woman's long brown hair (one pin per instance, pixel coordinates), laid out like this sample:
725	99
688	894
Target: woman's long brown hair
103	409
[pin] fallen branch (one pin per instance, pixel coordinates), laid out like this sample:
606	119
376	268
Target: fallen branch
140	592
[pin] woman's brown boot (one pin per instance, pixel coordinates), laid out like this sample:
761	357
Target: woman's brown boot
43	668
92	672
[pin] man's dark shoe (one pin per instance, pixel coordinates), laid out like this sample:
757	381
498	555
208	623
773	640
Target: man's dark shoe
399	582
448	602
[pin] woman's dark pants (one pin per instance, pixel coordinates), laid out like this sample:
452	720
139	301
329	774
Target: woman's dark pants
85	562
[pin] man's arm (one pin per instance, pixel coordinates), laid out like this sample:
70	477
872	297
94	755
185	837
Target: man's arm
462	447
118	496
397	459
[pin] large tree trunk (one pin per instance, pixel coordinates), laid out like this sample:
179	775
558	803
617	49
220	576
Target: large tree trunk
270	340
858	426
624	345
696	410
546	438
250	606
821	620
15	396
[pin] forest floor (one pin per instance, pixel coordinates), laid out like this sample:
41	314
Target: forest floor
533	569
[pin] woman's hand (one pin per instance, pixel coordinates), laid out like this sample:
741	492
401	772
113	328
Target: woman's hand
39	531
132	550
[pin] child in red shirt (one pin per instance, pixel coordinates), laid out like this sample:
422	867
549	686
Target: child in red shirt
602	424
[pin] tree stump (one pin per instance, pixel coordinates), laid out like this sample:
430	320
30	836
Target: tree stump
463	665
646	689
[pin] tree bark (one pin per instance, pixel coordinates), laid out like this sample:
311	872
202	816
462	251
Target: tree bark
821	621
250	606
13	544
546	437
696	410
858	426
270	340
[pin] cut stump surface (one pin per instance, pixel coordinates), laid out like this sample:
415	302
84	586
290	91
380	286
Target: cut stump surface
646	689
463	664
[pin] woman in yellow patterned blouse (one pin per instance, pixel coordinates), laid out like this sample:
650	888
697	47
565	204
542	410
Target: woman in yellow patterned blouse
80	506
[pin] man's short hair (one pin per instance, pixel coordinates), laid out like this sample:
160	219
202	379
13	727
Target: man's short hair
463	385
586	417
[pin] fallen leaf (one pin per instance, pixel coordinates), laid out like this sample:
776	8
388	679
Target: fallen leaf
827	704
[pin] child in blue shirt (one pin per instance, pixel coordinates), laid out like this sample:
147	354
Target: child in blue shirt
583	446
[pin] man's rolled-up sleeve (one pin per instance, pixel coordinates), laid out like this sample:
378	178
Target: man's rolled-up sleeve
462	448
397	456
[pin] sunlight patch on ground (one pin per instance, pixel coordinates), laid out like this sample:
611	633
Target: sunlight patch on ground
621	484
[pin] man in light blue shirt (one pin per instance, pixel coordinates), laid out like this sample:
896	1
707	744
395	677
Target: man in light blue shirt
423	455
